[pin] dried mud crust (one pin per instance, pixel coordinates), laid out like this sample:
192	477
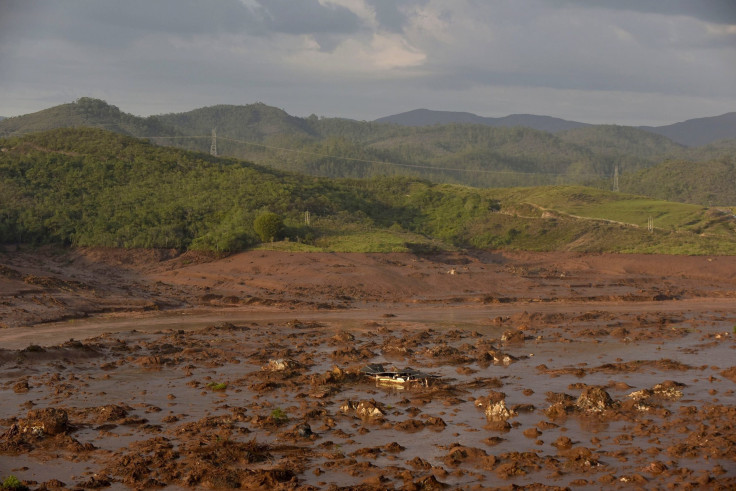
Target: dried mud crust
521	400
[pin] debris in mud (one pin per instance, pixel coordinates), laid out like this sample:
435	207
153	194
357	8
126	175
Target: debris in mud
405	377
669	390
281	365
499	357
368	410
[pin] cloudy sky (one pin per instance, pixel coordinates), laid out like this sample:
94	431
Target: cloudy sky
598	61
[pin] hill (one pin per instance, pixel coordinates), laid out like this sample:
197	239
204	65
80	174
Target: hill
629	149
90	187
710	182
85	112
426	117
468	153
699	131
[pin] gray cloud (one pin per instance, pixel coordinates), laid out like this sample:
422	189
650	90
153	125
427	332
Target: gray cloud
367	58
717	11
307	17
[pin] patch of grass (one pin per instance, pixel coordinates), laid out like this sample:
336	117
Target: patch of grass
217	386
279	416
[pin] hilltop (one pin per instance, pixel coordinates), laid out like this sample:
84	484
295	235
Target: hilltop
84	112
699	131
90	187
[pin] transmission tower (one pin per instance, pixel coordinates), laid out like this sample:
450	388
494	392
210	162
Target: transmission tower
213	146
615	179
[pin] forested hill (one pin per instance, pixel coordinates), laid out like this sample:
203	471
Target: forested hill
469	154
87	112
710	183
426	117
90	187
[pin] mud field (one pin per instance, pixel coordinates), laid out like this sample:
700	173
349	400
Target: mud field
154	370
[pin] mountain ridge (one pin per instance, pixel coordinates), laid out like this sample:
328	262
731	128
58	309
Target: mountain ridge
698	131
691	133
428	117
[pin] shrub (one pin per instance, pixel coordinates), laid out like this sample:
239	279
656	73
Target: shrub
269	226
12	482
216	386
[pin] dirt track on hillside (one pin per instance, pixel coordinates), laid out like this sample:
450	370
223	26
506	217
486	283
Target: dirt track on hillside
189	371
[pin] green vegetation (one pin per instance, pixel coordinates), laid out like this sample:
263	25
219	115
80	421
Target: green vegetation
279	416
12	482
217	386
268	226
90	187
708	183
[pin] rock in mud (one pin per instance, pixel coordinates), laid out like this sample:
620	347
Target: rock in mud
460	454
110	412
562	443
47	421
494	406
594	399
513	336
730	373
304	430
428	483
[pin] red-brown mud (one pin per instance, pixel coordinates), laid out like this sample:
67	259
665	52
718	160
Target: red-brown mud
555	370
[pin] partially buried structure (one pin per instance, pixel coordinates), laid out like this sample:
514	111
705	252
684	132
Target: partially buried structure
404	377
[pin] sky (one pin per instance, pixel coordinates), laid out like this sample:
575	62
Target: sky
632	62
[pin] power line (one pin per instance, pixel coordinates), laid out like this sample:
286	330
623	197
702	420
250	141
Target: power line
213	146
367	161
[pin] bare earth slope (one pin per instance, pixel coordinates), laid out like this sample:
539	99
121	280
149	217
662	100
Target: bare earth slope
47	285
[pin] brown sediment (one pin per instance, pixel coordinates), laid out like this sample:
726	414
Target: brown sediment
618	372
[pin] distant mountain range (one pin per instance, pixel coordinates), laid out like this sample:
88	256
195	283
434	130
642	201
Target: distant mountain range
700	131
691	133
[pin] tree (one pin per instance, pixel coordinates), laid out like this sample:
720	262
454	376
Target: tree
268	226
